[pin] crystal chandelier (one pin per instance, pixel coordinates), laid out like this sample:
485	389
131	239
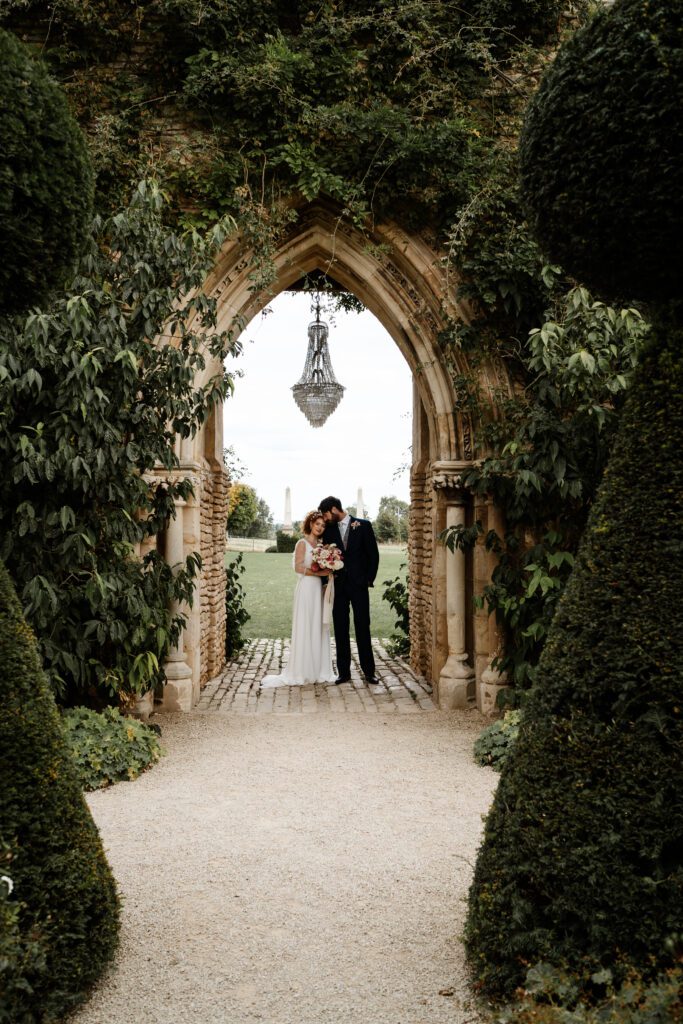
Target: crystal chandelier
317	393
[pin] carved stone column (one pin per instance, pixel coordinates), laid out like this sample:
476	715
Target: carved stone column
456	680
178	691
492	681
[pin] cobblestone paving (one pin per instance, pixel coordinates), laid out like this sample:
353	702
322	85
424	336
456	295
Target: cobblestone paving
237	690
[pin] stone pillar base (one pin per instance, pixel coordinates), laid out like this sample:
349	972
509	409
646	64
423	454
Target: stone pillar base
143	706
179	690
455	684
492	682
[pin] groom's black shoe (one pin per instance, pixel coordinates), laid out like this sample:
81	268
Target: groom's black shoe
346	679
372	680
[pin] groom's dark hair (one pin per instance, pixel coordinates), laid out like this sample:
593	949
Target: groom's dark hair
327	504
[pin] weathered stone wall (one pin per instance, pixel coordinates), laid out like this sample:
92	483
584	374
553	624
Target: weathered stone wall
420	566
214	486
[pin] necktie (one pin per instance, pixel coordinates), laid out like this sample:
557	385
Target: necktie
344	532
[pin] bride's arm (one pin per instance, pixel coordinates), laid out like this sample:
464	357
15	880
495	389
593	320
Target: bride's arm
299	559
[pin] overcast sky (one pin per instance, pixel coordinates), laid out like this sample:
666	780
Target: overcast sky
363	442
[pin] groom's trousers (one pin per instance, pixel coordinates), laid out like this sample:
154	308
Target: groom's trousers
347	596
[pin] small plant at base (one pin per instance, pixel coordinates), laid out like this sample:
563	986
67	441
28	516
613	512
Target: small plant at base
550	996
236	615
107	747
396	593
492	746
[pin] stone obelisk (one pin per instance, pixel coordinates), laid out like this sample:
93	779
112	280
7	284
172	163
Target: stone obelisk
288	527
360	507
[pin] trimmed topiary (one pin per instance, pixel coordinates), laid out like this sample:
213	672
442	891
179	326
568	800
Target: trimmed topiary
582	859
613	101
46	181
63	909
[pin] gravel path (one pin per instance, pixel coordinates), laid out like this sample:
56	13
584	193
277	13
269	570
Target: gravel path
295	869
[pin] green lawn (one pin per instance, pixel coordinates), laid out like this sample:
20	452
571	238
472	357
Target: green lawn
269	583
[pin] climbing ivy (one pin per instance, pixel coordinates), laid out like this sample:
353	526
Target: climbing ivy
551	442
89	407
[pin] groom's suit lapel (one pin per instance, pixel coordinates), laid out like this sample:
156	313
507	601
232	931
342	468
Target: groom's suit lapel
351	532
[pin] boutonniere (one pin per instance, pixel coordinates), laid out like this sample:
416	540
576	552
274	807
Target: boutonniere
355	524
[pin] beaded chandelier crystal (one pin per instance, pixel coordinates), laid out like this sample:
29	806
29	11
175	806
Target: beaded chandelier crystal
317	393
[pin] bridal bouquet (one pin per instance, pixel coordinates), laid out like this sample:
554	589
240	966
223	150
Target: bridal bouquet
328	558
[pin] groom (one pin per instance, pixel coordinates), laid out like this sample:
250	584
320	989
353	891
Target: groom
356	538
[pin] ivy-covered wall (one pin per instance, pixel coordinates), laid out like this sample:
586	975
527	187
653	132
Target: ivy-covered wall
406	111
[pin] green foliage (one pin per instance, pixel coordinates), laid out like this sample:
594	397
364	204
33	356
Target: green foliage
88	406
242	509
550	997
236	615
396	594
582	859
494	743
46	181
550	444
21	955
286	542
263	526
108	748
385	108
62	915
391	524
601	168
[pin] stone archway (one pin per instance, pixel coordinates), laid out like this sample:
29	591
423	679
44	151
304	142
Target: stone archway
400	278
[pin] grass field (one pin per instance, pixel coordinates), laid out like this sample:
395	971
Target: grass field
269	582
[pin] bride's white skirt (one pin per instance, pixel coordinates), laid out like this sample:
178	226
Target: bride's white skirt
310	654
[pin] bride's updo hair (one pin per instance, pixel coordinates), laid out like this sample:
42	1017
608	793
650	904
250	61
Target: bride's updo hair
311	518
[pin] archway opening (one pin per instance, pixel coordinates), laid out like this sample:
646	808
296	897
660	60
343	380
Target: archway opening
361	454
401	279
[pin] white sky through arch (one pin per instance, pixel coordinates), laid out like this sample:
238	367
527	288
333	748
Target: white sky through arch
363	442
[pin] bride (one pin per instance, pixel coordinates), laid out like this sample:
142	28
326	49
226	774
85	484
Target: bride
310	654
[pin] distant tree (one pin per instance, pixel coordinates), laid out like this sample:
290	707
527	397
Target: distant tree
243	510
263	525
391	524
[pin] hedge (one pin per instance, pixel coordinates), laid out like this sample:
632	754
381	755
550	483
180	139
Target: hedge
582	859
581	866
601	174
63	910
46	180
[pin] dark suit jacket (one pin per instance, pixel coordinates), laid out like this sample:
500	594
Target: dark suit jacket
361	558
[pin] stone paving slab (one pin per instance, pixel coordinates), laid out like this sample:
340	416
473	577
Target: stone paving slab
237	690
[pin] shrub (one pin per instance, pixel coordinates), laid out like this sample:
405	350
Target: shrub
21	956
89	406
63	912
236	615
599	152
46	182
107	747
286	542
583	849
396	594
582	859
493	745
550	998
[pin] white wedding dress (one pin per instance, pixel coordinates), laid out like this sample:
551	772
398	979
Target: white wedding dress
310	654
